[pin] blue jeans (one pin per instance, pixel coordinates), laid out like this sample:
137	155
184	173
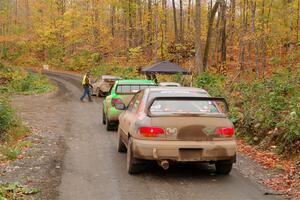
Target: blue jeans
86	92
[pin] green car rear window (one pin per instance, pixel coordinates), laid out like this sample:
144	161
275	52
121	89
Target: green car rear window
131	88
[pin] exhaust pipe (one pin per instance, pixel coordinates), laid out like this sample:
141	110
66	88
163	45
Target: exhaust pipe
164	164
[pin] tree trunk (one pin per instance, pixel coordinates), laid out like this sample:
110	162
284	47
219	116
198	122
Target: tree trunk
16	12
125	32
189	16
163	28
181	22
223	33
231	26
297	26
156	30
291	35
130	24
232	13
95	24
212	15
269	13
175	21
140	23
112	20
27	14
242	33
253	9
198	57
149	28
263	40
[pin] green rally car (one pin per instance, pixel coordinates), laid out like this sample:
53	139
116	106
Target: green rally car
121	92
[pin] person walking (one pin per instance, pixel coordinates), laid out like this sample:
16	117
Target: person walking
86	84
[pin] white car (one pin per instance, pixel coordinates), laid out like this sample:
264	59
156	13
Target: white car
169	84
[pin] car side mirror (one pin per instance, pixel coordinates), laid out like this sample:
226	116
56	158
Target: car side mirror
120	106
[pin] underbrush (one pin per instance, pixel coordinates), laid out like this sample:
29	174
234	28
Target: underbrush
15	191
12	131
265	112
16	80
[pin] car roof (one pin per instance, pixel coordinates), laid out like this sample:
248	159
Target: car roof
110	77
133	81
177	92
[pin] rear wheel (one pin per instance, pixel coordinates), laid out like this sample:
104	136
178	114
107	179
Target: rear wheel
109	125
121	146
103	117
101	94
134	166
223	167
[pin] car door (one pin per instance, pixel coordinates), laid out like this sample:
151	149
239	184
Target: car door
128	117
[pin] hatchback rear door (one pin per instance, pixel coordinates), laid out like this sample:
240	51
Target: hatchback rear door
191	118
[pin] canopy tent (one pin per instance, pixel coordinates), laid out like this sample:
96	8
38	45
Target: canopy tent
165	67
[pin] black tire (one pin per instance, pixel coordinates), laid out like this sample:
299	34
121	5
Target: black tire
103	118
121	146
223	167
109	126
101	94
134	166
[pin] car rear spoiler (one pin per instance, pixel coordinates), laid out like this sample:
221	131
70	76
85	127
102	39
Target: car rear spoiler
191	98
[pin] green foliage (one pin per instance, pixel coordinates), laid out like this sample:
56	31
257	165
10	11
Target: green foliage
262	108
14	80
7	119
10	153
135	52
212	83
15	191
10	144
11	129
31	84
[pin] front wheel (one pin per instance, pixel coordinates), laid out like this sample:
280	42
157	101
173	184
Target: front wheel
223	167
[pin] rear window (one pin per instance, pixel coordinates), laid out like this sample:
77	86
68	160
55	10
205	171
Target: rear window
163	107
131	89
109	80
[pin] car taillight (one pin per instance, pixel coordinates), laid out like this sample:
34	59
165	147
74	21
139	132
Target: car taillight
225	131
151	131
115	100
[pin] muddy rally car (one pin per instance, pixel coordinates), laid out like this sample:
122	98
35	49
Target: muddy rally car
102	85
171	125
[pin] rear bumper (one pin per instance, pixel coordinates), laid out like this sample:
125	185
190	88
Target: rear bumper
184	151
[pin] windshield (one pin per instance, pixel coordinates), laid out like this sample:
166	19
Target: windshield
163	107
132	88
